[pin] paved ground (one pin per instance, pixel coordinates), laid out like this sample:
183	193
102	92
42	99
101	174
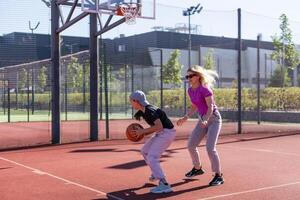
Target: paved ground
255	166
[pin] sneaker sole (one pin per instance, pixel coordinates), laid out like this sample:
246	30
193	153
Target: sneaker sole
217	184
193	175
163	191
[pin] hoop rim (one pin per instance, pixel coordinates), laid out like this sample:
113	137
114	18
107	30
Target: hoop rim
110	7
130	11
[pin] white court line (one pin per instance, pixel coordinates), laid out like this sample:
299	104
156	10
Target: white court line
249	191
37	171
263	150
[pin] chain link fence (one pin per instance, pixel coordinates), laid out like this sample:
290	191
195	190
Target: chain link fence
136	56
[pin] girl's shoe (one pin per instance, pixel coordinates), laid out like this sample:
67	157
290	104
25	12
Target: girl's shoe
217	180
194	172
161	188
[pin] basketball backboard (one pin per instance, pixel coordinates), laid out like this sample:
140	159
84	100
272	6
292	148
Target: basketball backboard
110	7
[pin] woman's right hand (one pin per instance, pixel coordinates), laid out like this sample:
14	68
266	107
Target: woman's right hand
181	121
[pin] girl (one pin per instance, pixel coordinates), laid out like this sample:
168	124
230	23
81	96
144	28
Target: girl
164	131
210	122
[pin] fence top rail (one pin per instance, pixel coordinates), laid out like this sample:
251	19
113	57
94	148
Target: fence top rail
43	61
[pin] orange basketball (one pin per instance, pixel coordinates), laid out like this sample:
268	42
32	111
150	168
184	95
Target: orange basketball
132	137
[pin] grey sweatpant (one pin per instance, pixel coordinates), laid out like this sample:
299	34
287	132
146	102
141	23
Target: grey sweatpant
153	149
212	131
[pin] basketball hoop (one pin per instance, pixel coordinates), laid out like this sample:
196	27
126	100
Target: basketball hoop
130	11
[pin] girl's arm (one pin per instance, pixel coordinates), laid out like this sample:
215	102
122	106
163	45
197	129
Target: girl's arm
147	131
210	105
191	111
187	115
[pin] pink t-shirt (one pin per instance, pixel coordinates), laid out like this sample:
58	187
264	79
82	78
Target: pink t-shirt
197	97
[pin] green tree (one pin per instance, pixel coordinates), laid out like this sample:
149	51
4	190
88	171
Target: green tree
113	84
285	50
276	79
86	74
209	62
74	75
123	75
42	78
171	70
24	78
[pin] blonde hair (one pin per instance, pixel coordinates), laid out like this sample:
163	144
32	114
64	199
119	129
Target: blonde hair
207	77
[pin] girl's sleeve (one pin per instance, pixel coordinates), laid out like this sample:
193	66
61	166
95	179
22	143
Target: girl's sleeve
207	91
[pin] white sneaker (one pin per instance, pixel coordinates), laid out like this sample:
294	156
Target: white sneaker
161	188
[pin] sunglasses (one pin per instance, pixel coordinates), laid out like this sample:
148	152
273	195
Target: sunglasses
190	76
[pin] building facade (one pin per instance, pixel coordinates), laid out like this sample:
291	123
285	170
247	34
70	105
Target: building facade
144	50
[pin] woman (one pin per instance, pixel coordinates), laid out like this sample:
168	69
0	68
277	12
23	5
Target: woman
164	131
210	122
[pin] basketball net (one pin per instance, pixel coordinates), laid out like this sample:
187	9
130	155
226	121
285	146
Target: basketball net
130	12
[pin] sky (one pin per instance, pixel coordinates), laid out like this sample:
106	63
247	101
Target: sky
270	8
218	18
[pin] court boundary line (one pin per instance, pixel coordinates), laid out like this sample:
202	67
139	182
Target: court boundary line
40	172
250	191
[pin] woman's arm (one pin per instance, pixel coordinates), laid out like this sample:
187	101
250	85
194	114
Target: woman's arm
187	115
191	111
210	105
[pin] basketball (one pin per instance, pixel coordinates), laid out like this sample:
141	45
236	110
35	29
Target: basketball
132	137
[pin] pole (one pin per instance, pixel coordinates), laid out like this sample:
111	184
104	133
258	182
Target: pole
258	78
8	101
190	43
125	85
84	86
4	100
188	12
106	92
32	75
32	89
161	79
266	82
189	59
66	92
55	73
93	78
28	101
101	54
239	73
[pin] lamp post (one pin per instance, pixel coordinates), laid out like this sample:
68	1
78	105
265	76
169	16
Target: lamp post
32	72
188	12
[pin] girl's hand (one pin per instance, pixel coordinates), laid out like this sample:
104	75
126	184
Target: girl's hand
203	124
181	121
138	132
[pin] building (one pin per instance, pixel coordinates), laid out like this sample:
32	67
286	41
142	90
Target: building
144	50
18	48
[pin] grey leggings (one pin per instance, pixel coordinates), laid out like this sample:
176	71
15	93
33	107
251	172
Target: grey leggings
212	131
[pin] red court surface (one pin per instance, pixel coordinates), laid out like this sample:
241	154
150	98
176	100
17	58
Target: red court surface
255	167
25	134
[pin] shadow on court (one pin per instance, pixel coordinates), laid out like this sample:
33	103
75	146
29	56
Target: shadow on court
131	193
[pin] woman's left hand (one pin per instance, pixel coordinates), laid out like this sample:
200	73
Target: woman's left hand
203	124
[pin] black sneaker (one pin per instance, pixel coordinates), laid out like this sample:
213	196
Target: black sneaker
194	172
217	180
